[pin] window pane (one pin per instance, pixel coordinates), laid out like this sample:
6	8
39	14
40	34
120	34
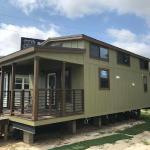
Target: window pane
18	86
123	58
103	53
26	80
145	84
104	74
19	80
94	51
144	64
26	86
104	83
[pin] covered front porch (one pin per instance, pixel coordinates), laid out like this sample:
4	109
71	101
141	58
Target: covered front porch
39	88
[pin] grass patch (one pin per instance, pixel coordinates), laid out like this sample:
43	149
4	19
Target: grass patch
100	141
120	135
137	129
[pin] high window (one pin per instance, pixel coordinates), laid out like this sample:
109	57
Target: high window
144	64
99	52
123	58
104	79
145	83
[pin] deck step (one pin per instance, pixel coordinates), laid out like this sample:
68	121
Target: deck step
4	122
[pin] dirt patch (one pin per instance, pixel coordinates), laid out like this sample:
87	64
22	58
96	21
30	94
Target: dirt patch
47	143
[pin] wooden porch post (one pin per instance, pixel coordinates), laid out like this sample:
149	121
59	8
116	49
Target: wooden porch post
8	92
1	90
12	86
35	89
63	86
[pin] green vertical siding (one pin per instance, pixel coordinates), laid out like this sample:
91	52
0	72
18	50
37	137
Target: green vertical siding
122	96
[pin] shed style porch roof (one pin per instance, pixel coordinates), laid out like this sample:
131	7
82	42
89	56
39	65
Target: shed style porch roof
38	49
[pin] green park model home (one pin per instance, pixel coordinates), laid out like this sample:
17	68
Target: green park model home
70	78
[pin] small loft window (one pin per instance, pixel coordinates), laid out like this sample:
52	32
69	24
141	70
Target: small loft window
104	53
99	52
145	84
104	79
123	58
94	51
144	64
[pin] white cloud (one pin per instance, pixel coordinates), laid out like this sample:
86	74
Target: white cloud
139	44
11	35
26	5
79	8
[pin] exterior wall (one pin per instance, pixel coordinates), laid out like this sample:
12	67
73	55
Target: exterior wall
70	44
122	96
71	58
77	77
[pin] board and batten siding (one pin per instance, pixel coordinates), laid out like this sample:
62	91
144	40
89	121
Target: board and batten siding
122	96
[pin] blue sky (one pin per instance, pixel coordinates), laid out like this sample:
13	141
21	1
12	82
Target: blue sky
123	23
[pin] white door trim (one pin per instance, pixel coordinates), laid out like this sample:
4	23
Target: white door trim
51	74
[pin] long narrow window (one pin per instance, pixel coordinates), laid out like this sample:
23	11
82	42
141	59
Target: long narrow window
104	79
145	83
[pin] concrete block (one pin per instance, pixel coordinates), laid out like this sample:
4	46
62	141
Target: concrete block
28	137
72	126
97	122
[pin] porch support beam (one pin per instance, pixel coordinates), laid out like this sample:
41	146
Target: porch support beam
8	93
63	87
1	90
13	72
35	89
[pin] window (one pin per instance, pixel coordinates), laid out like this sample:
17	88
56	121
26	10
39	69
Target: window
123	58
145	83
104	78
103	53
99	52
144	64
94	51
18	83
22	83
26	83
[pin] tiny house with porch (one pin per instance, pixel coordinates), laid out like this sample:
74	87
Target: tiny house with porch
70	78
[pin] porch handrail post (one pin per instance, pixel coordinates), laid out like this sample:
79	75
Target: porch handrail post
63	87
35	89
1	90
13	72
22	101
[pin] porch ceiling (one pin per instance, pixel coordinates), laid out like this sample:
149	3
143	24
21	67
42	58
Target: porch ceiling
29	53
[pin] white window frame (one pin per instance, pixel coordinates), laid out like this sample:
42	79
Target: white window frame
23	81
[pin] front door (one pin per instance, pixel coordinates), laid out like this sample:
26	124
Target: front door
51	85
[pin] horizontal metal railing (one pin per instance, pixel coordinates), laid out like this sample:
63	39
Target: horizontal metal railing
56	102
52	100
